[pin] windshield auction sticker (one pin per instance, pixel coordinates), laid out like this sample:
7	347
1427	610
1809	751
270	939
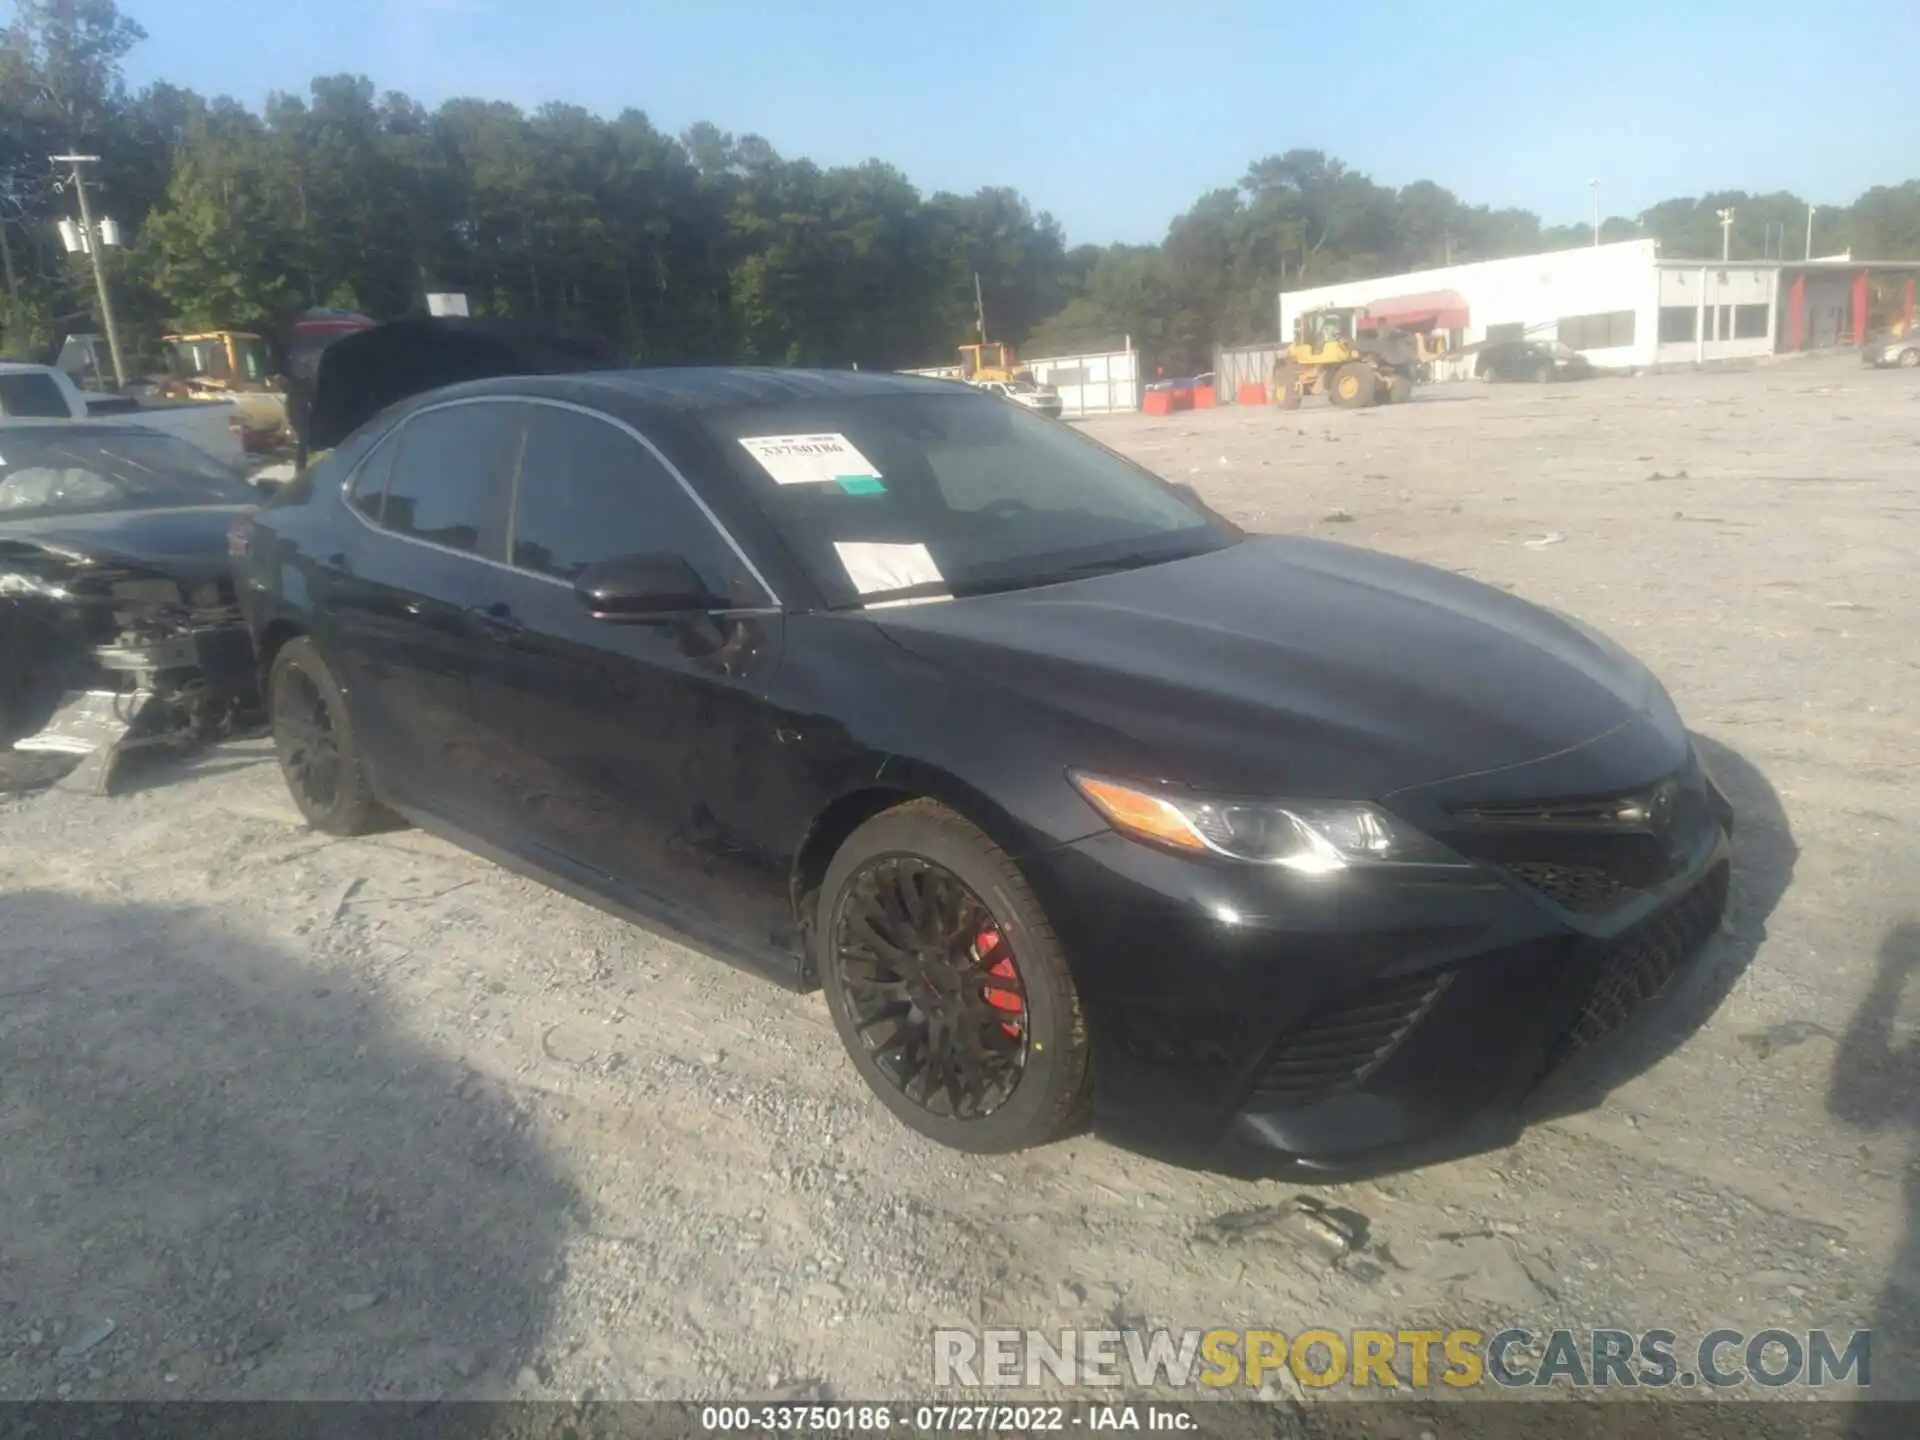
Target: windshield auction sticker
814	460
876	568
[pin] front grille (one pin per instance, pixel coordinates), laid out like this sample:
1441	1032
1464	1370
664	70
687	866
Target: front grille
1583	889
1638	966
1342	1046
1589	855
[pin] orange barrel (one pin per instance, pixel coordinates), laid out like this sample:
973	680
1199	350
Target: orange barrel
1252	393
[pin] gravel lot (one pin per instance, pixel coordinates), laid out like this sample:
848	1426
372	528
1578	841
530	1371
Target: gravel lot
356	1119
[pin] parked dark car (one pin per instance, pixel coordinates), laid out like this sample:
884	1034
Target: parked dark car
1071	795
1539	361
117	615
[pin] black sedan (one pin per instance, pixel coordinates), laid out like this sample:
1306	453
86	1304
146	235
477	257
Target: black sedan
117	616
1073	797
1538	361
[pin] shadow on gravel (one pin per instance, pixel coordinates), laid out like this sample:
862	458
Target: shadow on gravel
226	1173
22	772
1875	1086
1764	855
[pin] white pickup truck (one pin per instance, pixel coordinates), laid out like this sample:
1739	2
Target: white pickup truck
36	394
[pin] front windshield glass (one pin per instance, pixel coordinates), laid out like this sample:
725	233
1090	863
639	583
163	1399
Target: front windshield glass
66	472
998	497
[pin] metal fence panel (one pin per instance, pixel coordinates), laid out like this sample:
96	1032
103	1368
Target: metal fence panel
1234	366
1092	384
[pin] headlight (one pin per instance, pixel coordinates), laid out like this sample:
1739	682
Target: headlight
1314	837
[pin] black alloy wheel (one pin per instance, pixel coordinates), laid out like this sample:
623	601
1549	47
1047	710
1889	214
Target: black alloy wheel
947	985
313	738
309	749
933	987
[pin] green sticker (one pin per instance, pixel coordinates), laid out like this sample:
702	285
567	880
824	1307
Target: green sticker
860	484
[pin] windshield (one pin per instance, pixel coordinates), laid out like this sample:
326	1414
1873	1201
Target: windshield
69	473
894	496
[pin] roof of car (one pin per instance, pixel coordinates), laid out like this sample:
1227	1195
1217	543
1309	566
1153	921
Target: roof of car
716	387
58	425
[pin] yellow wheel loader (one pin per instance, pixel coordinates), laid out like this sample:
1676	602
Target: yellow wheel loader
234	365
1333	353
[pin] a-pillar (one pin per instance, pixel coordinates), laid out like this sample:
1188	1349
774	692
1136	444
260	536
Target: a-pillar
1860	308
1797	312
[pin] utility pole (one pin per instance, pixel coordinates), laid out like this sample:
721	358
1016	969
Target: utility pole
13	286
91	240
1809	232
1594	186
979	308
1726	233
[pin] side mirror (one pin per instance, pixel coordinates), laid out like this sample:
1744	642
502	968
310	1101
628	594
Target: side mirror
641	588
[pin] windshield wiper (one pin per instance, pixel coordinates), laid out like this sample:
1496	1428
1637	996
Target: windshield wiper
1058	575
1079	570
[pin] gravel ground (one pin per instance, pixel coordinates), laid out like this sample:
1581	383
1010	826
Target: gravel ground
376	1119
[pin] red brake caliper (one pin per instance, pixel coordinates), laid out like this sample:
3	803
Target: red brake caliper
985	944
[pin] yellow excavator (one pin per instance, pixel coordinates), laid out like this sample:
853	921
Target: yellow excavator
1337	352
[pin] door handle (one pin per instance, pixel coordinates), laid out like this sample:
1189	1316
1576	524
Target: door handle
497	620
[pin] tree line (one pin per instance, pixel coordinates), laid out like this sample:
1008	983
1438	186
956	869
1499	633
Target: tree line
701	247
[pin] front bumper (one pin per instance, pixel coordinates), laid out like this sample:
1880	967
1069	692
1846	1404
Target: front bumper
1240	1016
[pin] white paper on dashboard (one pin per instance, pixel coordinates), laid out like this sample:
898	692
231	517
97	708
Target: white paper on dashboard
875	567
809	459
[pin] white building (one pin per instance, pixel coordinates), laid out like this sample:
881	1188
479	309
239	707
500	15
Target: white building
1621	305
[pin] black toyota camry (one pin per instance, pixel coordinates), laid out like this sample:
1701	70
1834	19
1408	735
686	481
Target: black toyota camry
1075	799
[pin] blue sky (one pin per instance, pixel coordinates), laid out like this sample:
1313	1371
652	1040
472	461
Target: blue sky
1116	116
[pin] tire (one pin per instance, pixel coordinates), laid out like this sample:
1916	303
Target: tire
1286	387
1542	373
1353	387
1399	389
306	709
1909	358
1051	1083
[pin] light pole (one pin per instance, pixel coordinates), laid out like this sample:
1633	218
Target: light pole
1726	233
91	240
1809	232
1594	187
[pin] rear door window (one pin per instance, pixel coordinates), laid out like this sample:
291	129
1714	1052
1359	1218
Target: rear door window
369	490
452	474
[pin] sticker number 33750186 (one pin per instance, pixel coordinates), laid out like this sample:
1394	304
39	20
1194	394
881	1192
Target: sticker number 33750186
814	460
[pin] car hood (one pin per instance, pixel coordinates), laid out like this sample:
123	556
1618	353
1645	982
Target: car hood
1292	666
189	543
